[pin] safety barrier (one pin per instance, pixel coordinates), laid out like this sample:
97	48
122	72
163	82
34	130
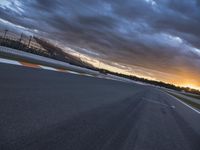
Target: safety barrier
9	52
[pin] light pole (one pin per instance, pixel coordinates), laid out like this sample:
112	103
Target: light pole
99	64
20	39
5	34
80	57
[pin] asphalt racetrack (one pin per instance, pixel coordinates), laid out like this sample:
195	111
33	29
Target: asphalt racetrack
47	110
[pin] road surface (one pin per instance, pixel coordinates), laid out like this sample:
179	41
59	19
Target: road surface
46	110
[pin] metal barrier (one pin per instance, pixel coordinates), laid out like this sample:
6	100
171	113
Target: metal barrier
25	43
43	60
22	38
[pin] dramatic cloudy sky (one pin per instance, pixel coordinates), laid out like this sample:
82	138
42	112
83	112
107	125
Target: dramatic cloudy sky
158	39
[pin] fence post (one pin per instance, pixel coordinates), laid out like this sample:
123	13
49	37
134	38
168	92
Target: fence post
21	37
5	34
29	42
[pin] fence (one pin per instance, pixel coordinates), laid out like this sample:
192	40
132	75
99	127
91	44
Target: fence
29	41
21	42
44	60
35	45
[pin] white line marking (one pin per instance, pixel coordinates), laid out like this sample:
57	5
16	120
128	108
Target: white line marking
13	62
184	103
85	74
88	75
7	61
73	72
48	68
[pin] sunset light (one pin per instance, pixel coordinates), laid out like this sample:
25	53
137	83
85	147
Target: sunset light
99	74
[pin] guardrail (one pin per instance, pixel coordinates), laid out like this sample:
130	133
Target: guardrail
20	39
9	52
25	56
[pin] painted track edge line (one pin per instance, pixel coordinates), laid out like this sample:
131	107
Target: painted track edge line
8	61
184	103
32	65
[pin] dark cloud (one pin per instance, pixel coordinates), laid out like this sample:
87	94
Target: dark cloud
154	34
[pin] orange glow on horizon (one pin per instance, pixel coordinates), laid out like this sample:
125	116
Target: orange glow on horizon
191	86
177	80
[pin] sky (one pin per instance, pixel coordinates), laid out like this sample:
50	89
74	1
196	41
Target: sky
155	39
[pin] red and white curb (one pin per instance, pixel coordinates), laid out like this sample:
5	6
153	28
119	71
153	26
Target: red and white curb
38	66
32	65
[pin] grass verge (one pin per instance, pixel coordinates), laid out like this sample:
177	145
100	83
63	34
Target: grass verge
193	96
187	101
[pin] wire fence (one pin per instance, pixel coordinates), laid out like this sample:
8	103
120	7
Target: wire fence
22	42
35	45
